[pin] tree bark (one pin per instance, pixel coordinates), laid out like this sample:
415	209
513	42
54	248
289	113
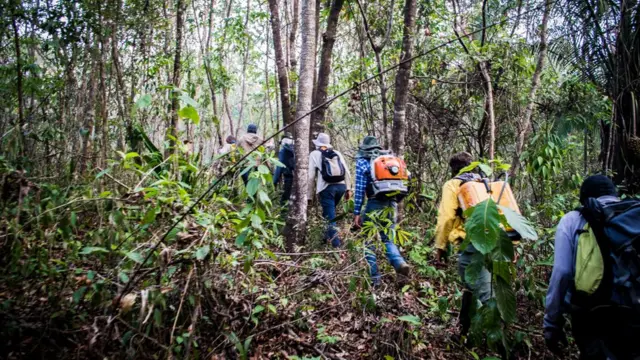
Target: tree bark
324	72
281	67
525	123
402	79
297	220
177	66
20	122
245	61
489	107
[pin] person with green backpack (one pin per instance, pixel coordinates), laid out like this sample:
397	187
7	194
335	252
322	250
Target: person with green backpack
596	276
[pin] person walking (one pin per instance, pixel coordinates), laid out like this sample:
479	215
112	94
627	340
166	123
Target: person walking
329	175
249	141
368	150
450	230
286	156
596	276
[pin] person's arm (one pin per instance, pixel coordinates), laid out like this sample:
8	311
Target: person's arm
347	173
361	183
312	175
278	172
446	214
563	272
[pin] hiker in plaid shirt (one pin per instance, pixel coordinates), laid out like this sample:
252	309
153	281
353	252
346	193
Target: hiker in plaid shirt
368	150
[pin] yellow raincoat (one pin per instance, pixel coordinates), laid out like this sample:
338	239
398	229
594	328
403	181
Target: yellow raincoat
450	227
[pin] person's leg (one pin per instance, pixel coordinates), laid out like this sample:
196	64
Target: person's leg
286	189
482	286
391	250
327	201
338	192
370	249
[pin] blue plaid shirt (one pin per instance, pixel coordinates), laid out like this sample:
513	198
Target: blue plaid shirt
363	179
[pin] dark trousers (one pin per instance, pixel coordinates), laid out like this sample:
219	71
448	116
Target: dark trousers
329	200
286	189
607	333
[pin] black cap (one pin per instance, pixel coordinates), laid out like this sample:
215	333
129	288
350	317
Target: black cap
596	186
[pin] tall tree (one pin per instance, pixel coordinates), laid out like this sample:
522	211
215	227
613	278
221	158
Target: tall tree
297	220
324	72
524	122
281	66
402	78
16	41
177	61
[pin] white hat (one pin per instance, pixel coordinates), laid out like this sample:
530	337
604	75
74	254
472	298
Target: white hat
322	140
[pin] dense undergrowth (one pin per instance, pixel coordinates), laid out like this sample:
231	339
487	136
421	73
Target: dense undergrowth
88	272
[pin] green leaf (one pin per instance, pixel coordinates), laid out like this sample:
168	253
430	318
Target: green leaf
124	278
475	268
135	256
92	249
411	319
264	198
483	226
101	173
486	169
188	100
258	309
519	223
131	155
189	112
256	222
149	216
503	270
506	299
272	308
143	101
252	186
263	169
202	252
79	294
504	251
241	238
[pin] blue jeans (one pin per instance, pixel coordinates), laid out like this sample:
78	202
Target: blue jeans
391	250
329	200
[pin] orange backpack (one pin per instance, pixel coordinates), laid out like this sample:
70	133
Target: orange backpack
390	177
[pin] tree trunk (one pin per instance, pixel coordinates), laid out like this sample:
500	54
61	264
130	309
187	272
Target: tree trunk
89	115
175	102
297	220
525	123
281	67
402	79
293	59
20	122
324	72
245	61
488	107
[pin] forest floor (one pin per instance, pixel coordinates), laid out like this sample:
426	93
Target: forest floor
309	306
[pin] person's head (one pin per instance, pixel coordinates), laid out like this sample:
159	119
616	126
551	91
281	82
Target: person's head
459	161
596	186
370	143
323	140
252	129
231	139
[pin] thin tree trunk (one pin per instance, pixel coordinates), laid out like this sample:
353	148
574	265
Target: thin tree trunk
281	67
89	115
324	72
245	61
293	59
297	220
267	95
489	107
402	79
175	102
525	123
104	114
20	123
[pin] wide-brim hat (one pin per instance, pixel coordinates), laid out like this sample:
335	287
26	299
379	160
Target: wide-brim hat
322	140
370	143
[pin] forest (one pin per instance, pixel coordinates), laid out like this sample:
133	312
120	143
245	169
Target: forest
147	211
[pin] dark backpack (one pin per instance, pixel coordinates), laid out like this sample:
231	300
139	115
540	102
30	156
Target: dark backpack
289	162
332	168
616	228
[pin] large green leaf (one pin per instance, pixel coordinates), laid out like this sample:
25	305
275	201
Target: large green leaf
503	270
411	319
506	299
135	256
504	251
189	112
202	252
474	269
252	186
519	223
483	226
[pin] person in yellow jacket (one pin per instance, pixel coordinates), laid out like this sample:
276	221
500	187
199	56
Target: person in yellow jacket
450	230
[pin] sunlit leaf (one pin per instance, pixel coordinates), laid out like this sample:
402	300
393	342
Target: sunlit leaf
135	256
92	249
202	252
411	319
189	112
252	186
519	223
143	101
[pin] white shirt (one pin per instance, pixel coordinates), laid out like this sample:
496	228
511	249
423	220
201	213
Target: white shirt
315	166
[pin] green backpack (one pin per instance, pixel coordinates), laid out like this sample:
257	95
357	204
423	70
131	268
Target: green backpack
589	262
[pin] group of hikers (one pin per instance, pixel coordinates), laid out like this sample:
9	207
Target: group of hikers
595	278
